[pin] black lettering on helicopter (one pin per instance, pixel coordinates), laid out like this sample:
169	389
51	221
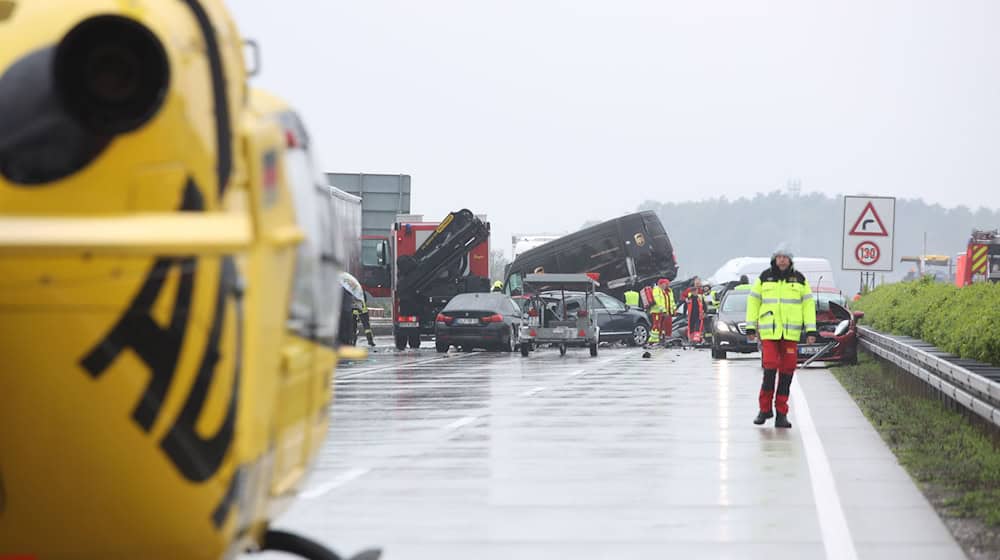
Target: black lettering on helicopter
195	457
157	347
199	458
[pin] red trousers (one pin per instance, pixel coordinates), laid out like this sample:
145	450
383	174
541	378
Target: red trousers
778	357
666	326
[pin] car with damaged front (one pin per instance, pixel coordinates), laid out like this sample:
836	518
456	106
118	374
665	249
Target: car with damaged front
831	309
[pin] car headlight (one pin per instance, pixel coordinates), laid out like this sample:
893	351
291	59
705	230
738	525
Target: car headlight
722	326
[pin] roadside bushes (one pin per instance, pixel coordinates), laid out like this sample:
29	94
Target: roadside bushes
963	321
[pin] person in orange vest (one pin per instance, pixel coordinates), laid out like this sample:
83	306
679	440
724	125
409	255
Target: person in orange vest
695	299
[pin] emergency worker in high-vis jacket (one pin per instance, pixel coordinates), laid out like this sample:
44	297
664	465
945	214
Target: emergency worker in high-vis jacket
664	297
780	308
632	299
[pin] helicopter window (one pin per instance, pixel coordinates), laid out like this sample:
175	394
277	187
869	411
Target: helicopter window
315	297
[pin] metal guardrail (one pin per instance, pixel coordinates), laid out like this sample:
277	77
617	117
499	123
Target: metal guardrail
971	389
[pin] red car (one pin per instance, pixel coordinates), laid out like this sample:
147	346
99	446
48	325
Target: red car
831	309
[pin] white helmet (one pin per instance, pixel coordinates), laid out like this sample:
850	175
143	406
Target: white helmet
782	249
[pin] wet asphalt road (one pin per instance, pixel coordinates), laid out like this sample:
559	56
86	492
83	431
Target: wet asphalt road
490	455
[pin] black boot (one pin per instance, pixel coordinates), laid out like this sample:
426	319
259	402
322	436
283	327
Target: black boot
782	421
762	417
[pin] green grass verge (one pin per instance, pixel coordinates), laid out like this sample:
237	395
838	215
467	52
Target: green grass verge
938	446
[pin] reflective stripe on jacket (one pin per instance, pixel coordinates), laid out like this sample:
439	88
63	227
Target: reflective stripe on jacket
663	300
781	308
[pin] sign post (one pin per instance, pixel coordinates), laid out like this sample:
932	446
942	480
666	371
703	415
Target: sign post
868	234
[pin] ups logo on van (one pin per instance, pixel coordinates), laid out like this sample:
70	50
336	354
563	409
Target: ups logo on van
640	239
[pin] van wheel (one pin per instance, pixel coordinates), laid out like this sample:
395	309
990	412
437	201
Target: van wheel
593	349
442	348
562	349
415	340
400	342
525	348
718	354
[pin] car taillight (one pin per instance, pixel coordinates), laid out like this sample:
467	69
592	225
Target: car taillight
407	319
442	318
495	318
582	333
533	332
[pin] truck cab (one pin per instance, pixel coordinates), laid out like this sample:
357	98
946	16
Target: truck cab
431	262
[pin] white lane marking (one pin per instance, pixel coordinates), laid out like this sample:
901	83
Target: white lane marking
341	480
837	539
575	373
530	392
350	373
460	422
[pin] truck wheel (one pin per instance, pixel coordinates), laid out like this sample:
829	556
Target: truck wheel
400	342
525	348
442	348
415	340
593	349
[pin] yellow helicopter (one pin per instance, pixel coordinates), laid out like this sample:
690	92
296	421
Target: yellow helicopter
163	289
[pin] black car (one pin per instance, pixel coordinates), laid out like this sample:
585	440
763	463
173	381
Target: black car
478	320
729	331
617	321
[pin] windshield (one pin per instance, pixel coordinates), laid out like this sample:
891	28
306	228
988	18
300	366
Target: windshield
735	302
823	300
476	302
610	303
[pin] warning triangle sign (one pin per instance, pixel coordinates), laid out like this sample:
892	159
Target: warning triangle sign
869	224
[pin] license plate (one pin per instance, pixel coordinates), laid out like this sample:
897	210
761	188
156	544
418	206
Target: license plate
559	331
408	324
466	321
809	350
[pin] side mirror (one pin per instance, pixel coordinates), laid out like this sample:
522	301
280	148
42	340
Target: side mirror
842	328
381	250
859	314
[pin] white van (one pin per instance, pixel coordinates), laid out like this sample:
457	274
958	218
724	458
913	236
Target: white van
818	272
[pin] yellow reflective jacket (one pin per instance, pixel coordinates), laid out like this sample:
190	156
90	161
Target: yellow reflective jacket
664	300
632	298
781	306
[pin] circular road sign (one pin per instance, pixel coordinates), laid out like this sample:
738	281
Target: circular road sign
867	253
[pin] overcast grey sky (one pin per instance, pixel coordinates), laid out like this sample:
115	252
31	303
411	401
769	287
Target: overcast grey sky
545	114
